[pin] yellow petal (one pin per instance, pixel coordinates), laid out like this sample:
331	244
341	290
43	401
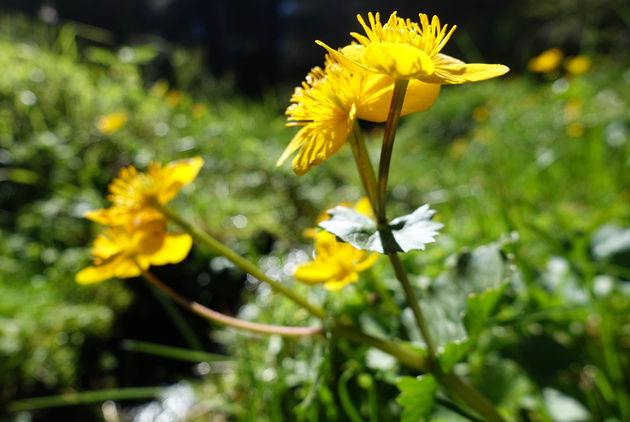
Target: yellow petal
364	207
450	71
335	285
419	97
91	275
400	61
350	62
128	268
315	272
174	249
367	262
177	174
322	141
297	141
376	99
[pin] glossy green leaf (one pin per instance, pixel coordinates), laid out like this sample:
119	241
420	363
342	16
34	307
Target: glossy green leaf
403	234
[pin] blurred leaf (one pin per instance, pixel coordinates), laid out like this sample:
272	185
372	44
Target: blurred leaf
458	303
403	234
417	396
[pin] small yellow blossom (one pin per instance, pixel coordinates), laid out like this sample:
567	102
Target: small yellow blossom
198	110
126	251
133	192
330	100
336	264
546	61
576	129
110	123
159	89
173	98
404	49
578	65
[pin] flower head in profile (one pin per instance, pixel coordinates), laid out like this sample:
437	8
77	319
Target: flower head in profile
329	101
336	264
404	49
132	192
126	251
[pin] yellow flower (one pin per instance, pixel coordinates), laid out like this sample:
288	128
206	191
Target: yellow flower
110	123
126	251
578	65
404	49
132	192
329	101
173	98
546	61
336	264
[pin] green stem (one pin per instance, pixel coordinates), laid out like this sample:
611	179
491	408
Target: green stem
398	96
220	318
405	356
412	299
469	395
238	260
364	165
85	397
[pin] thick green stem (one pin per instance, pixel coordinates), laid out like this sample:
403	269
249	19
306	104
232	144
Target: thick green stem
238	260
364	165
220	318
400	87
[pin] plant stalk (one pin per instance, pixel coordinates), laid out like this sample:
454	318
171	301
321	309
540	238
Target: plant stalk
238	260
364	165
220	318
398	96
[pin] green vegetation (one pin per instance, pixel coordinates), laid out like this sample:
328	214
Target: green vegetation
536	168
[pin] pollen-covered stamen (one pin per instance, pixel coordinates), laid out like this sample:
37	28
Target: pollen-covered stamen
434	36
131	188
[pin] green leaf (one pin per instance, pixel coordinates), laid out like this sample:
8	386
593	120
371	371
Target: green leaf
417	396
403	234
458	303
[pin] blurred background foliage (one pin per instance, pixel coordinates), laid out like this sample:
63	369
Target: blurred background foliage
536	162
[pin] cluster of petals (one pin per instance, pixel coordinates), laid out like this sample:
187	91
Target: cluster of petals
358	81
336	264
135	235
331	99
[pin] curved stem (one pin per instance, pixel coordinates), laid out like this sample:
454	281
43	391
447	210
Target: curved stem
398	96
238	260
364	165
220	318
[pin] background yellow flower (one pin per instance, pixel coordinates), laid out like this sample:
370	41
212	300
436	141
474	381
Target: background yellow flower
336	264
111	123
126	251
131	192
